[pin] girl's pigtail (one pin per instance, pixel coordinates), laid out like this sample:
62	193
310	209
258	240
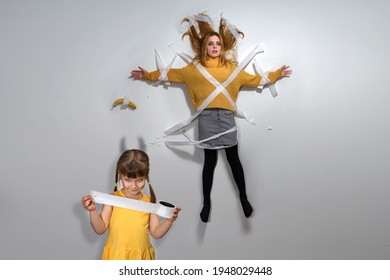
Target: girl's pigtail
152	194
116	182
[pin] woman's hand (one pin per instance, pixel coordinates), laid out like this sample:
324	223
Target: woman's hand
88	203
138	74
175	214
286	71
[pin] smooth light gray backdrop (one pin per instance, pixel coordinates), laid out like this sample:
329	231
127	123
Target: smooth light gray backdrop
316	164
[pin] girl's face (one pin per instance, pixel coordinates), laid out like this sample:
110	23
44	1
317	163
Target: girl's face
214	46
132	186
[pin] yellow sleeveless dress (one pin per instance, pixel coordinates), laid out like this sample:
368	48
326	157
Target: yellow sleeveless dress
128	234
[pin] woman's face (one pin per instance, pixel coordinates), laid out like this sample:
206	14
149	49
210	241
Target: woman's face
214	46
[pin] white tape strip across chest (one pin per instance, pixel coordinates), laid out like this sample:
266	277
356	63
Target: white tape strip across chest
219	88
163	209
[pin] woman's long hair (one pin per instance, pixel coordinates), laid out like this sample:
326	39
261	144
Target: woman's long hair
199	35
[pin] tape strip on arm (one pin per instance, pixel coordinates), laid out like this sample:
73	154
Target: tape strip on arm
265	81
163	78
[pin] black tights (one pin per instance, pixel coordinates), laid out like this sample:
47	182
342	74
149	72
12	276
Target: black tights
210	161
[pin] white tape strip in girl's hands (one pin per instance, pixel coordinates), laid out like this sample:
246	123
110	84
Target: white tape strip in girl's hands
163	209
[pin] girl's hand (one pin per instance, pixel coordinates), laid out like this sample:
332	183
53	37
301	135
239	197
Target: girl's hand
88	203
138	74
175	214
286	71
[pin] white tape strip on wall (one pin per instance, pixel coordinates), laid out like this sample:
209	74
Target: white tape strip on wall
163	209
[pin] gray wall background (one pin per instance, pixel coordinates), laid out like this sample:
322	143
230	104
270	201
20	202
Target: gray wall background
318	180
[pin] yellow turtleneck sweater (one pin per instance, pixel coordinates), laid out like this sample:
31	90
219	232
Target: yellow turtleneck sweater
199	87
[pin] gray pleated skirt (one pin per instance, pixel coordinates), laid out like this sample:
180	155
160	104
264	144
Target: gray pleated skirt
213	121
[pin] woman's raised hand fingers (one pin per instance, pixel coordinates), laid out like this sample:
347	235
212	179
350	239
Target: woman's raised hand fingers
138	74
286	71
134	74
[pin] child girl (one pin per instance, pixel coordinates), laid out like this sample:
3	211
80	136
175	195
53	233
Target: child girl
215	52
128	237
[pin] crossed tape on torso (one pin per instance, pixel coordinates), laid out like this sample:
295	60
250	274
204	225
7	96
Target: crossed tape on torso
163	209
219	89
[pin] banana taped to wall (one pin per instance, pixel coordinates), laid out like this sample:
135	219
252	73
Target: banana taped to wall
124	103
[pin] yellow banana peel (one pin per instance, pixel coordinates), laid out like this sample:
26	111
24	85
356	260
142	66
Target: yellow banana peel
120	101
